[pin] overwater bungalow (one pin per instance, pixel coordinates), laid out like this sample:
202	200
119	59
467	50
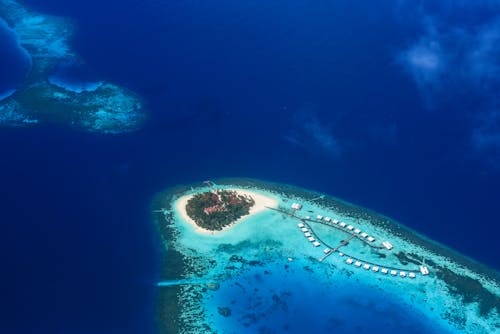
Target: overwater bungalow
349	261
402	274
366	266
350	227
394	272
316	244
364	234
335	221
357	231
375	268
319	217
311	239
370	239
328	219
296	206
300	225
357	264
307	234
342	224
387	245
424	270
304	229
411	275
383	271
327	250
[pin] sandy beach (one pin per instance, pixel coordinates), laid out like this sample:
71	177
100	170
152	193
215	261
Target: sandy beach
261	204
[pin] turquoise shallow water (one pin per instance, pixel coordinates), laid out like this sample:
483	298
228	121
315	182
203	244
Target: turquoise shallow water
270	280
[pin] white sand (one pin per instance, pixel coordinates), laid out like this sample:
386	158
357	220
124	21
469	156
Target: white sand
261	204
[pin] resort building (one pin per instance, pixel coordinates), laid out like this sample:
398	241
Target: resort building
387	245
296	206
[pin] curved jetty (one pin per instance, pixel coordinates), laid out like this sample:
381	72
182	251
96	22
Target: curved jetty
308	262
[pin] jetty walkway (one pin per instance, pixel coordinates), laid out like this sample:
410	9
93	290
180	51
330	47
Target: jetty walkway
309	232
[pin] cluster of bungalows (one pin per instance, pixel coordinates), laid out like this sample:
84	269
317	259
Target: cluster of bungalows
308	235
350	228
374	268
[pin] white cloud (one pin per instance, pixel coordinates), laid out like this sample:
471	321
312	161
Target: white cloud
459	60
313	135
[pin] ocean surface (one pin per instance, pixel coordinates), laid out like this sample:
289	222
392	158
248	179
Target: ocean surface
319	95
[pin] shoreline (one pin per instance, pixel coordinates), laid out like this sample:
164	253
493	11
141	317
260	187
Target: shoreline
261	204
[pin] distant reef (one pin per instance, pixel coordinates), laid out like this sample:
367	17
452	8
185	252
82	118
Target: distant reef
95	106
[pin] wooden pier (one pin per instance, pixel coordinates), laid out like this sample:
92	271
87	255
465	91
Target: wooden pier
343	243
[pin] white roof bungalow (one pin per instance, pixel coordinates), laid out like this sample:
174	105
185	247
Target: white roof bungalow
335	221
394	272
308	217
357	231
341	254
296	206
307	234
304	229
350	227
370	239
342	224
364	234
316	244
424	270
311	239
349	261
327	250
357	264
327	219
300	225
319	217
411	275
387	245
366	266
402	274
375	268
383	271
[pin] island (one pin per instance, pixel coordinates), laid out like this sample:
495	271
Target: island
49	96
298	261
215	210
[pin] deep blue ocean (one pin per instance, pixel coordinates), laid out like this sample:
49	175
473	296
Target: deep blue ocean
308	93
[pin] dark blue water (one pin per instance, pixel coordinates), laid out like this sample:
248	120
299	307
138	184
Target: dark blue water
308	94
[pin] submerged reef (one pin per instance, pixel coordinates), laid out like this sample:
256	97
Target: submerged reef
270	278
46	99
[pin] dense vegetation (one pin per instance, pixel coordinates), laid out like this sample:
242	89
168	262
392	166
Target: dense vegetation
215	210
